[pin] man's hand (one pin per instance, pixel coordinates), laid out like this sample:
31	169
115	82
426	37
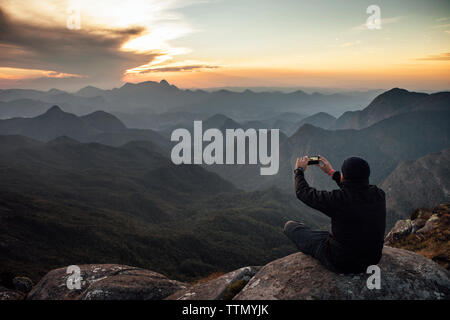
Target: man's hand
324	164
302	163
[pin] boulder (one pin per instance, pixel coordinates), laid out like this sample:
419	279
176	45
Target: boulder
404	275
417	224
221	288
105	282
8	294
430	224
23	284
400	231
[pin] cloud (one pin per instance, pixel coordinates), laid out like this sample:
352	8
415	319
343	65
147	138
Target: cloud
442	19
161	64
18	74
177	69
440	57
384	21
115	36
88	52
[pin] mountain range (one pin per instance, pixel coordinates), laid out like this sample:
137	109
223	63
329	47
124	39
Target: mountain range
151	97
98	126
84	187
390	103
66	202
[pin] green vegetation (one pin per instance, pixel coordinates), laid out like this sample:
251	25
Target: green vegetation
64	203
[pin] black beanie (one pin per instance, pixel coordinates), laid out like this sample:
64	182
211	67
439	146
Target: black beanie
355	168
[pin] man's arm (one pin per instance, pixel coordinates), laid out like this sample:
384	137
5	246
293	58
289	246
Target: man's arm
336	176
323	201
326	167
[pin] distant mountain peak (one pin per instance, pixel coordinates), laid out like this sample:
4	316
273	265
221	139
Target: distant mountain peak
395	91
89	92
55	91
299	92
63	140
217	116
164	82
55	109
104	121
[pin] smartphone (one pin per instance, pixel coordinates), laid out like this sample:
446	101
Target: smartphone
313	160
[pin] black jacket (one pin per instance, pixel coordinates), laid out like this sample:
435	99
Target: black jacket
358	217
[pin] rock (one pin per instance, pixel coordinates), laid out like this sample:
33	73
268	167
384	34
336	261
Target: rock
221	288
418	224
8	294
430	224
23	284
404	275
400	231
106	282
430	234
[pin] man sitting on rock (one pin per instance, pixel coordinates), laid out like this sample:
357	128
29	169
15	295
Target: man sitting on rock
357	211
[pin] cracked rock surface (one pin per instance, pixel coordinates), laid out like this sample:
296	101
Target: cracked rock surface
404	275
106	282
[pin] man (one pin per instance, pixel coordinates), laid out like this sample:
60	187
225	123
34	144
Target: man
357	211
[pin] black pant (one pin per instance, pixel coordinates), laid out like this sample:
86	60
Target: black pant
308	241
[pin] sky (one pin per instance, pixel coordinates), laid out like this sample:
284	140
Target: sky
68	44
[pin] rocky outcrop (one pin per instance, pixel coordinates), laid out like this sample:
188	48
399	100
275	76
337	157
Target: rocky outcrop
404	275
15	289
9	294
221	288
427	232
23	284
106	282
401	230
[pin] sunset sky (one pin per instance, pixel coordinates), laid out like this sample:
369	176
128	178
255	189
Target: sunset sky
214	43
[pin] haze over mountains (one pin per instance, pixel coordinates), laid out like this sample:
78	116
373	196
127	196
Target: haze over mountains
161	97
98	126
80	182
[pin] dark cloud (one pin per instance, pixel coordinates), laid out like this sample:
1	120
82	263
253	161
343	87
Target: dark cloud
440	57
178	68
92	53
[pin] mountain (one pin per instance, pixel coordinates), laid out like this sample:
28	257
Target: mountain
419	183
99	126
22	108
65	201
152	97
29	100
51	124
320	119
221	122
90	92
103	121
159	121
285	116
383	145
390	103
16	94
